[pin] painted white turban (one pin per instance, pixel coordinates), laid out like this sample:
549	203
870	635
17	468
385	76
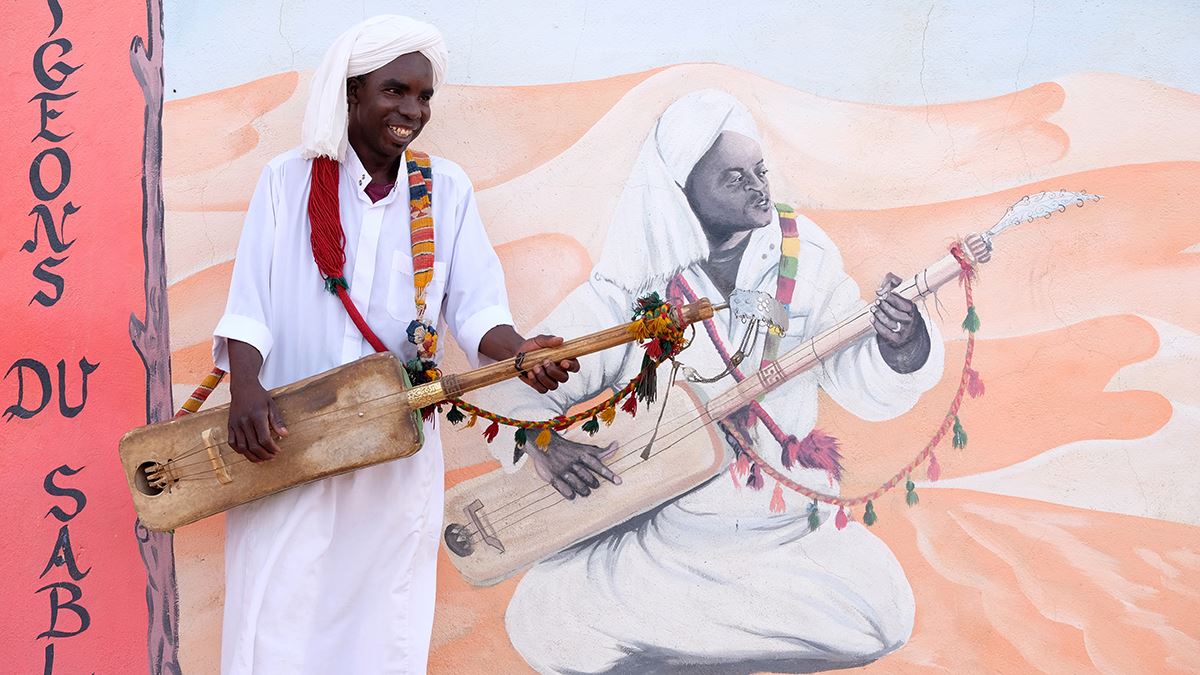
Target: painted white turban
364	48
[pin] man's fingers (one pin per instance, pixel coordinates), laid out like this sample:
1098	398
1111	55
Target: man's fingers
262	433
528	378
544	341
594	463
571	365
276	418
555	372
893	313
547	382
562	487
585	475
890	281
885	332
576	484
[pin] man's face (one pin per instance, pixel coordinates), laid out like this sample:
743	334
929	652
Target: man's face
390	106
728	188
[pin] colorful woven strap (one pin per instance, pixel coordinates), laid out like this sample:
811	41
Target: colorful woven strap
420	200
789	266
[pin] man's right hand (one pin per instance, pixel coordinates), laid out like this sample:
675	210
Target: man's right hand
572	468
254	420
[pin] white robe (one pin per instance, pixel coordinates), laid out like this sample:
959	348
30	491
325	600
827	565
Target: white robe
339	575
713	578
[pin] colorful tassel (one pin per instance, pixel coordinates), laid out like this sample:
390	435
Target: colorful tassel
869	516
492	431
841	519
934	470
647	387
521	437
911	493
543	439
742	465
819	450
814	517
960	434
471	422
592	426
777	503
455	415
974	383
630	406
608	415
971	323
518	453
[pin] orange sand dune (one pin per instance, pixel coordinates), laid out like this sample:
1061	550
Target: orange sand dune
1122	255
1042	391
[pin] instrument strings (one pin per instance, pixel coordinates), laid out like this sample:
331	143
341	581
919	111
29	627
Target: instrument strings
704	418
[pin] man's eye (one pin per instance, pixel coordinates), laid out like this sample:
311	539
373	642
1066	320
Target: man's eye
762	173
735	179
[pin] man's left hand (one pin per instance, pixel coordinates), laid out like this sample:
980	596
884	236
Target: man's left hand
546	375
899	329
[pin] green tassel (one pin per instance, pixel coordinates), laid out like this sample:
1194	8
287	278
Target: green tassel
520	437
331	284
455	415
971	323
592	426
960	434
869	516
814	517
911	497
647	387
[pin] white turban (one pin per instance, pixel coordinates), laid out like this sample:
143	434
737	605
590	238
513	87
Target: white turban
654	234
370	45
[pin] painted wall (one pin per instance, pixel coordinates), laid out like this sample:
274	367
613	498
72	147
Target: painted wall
1063	538
84	348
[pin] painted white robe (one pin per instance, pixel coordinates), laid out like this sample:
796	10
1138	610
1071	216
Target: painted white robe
339	575
713	579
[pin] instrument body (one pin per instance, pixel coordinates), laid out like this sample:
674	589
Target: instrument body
676	463
348	418
356	415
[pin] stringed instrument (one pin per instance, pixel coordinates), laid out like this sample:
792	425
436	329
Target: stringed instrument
353	416
499	523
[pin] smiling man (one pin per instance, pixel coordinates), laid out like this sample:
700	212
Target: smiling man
339	575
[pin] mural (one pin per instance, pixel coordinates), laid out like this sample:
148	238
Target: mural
1061	537
85	352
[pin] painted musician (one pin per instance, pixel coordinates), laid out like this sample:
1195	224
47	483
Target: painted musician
727	577
338	575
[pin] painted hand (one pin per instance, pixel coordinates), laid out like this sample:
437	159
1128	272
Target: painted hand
572	468
547	375
899	329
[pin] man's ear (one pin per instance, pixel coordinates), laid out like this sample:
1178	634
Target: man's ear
352	86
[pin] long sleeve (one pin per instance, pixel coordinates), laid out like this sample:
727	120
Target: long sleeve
248	309
857	377
475	297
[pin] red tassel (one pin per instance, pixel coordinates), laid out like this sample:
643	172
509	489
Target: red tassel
755	480
630	406
974	383
742	465
934	471
653	349
841	519
777	504
791	452
819	450
491	432
733	474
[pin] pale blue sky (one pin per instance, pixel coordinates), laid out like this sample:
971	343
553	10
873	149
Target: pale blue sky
886	51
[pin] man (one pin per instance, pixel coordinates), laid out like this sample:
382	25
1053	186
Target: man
339	575
726	577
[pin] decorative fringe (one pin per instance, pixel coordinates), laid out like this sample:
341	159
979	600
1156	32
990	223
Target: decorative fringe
777	503
742	465
471	422
491	432
647	387
934	471
518	453
960	434
974	383
841	519
455	415
818	450
911	493
521	437
630	406
608	415
869	516
592	426
971	323
543	439
755	480
814	517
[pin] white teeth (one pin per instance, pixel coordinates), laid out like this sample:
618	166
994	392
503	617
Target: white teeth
401	131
